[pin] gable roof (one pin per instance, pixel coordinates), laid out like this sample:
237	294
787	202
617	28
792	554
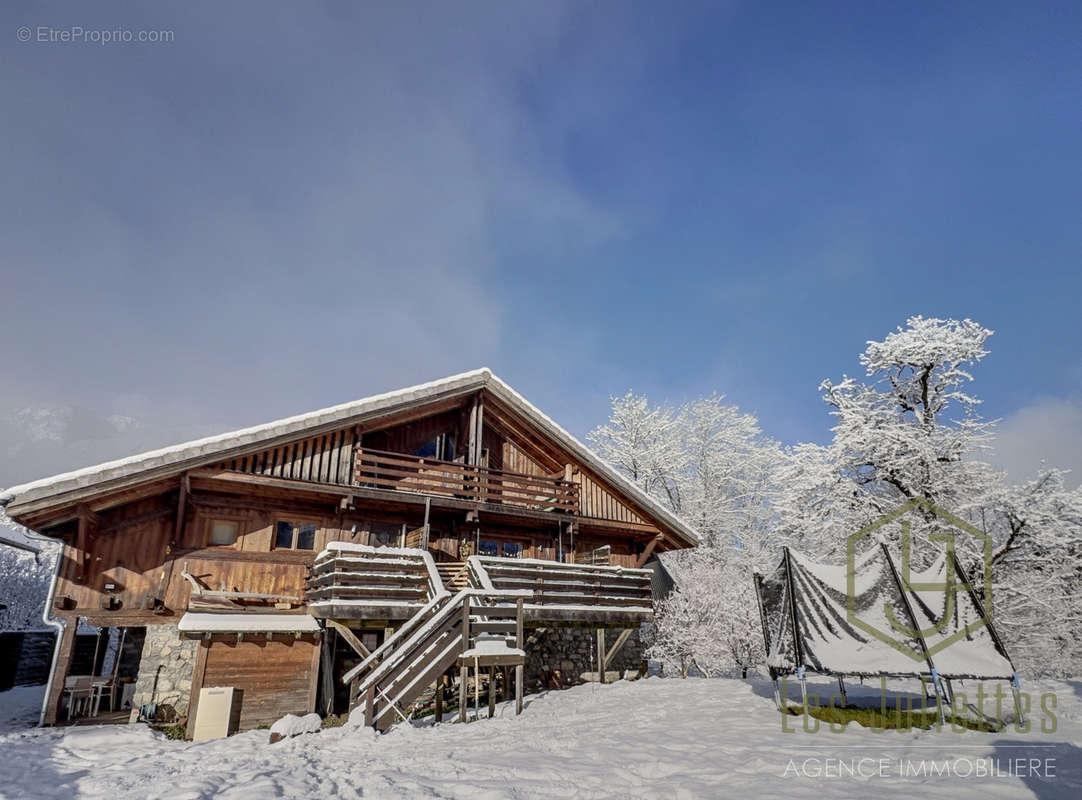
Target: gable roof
180	457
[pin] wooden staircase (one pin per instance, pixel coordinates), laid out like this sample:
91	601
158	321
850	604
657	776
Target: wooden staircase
454	575
461	629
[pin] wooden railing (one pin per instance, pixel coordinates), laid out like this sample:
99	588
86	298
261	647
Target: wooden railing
400	472
439	635
554	585
358	581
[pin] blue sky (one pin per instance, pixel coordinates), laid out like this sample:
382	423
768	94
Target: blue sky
289	206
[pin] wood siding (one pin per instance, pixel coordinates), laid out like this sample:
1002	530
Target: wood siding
126	548
277	676
598	502
323	459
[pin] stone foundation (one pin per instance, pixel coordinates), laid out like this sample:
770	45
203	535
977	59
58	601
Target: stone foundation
573	651
165	673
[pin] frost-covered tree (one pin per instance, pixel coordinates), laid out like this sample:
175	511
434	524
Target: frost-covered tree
706	460
710	464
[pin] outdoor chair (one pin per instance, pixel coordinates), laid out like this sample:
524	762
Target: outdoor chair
79	690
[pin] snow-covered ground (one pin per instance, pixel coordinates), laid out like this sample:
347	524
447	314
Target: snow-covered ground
651	738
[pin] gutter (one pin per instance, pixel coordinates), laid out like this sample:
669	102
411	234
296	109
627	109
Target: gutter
58	626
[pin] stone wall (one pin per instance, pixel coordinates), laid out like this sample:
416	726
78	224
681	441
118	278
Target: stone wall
165	673
573	651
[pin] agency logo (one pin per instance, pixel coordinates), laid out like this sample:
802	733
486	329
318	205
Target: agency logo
904	629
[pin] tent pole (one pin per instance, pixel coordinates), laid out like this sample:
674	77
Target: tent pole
803	688
1016	688
936	684
841	687
798	650
777	695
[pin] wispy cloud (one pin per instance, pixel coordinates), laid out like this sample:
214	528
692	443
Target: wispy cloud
1048	432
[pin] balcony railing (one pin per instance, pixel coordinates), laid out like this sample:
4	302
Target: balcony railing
399	472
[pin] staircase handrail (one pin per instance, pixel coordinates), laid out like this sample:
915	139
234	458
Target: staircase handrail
400	648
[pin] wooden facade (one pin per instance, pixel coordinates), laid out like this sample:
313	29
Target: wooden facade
453	476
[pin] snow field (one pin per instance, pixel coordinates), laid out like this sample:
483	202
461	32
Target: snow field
643	739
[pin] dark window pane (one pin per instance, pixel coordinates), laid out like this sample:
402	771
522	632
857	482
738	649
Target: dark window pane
488	548
384	534
283	534
306	536
427	450
512	550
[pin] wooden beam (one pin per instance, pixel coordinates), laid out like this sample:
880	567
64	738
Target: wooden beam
619	643
198	672
350	637
601	655
463	678
60	674
648	551
519	669
475	431
182	505
313	684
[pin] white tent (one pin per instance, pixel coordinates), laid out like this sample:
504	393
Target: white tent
818	618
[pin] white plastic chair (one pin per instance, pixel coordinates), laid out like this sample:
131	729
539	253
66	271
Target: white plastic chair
79	690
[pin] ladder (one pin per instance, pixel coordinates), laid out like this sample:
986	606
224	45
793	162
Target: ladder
475	627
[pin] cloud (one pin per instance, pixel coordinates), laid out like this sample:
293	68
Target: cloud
1047	432
275	213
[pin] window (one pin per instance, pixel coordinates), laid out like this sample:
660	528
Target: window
442	447
506	549
223	533
384	534
487	547
512	549
295	535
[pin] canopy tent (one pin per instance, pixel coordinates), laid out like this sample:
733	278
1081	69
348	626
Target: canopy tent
918	631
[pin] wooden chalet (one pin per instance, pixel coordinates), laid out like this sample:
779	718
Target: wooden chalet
356	554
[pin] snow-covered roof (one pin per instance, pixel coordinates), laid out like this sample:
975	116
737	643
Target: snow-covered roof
175	459
15	535
199	622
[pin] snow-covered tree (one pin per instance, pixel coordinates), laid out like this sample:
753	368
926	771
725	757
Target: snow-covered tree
710	464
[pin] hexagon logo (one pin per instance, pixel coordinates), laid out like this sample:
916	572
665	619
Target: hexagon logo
906	630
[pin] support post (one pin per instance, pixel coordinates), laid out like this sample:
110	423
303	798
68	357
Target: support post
463	679
465	623
491	692
439	700
841	688
428	508
803	688
60	674
519	669
370	705
601	655
476	688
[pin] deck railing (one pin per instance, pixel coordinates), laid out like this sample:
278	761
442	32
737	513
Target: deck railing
557	586
400	472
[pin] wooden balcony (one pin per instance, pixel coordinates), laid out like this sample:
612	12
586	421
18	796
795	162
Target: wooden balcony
351	581
406	473
570	593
